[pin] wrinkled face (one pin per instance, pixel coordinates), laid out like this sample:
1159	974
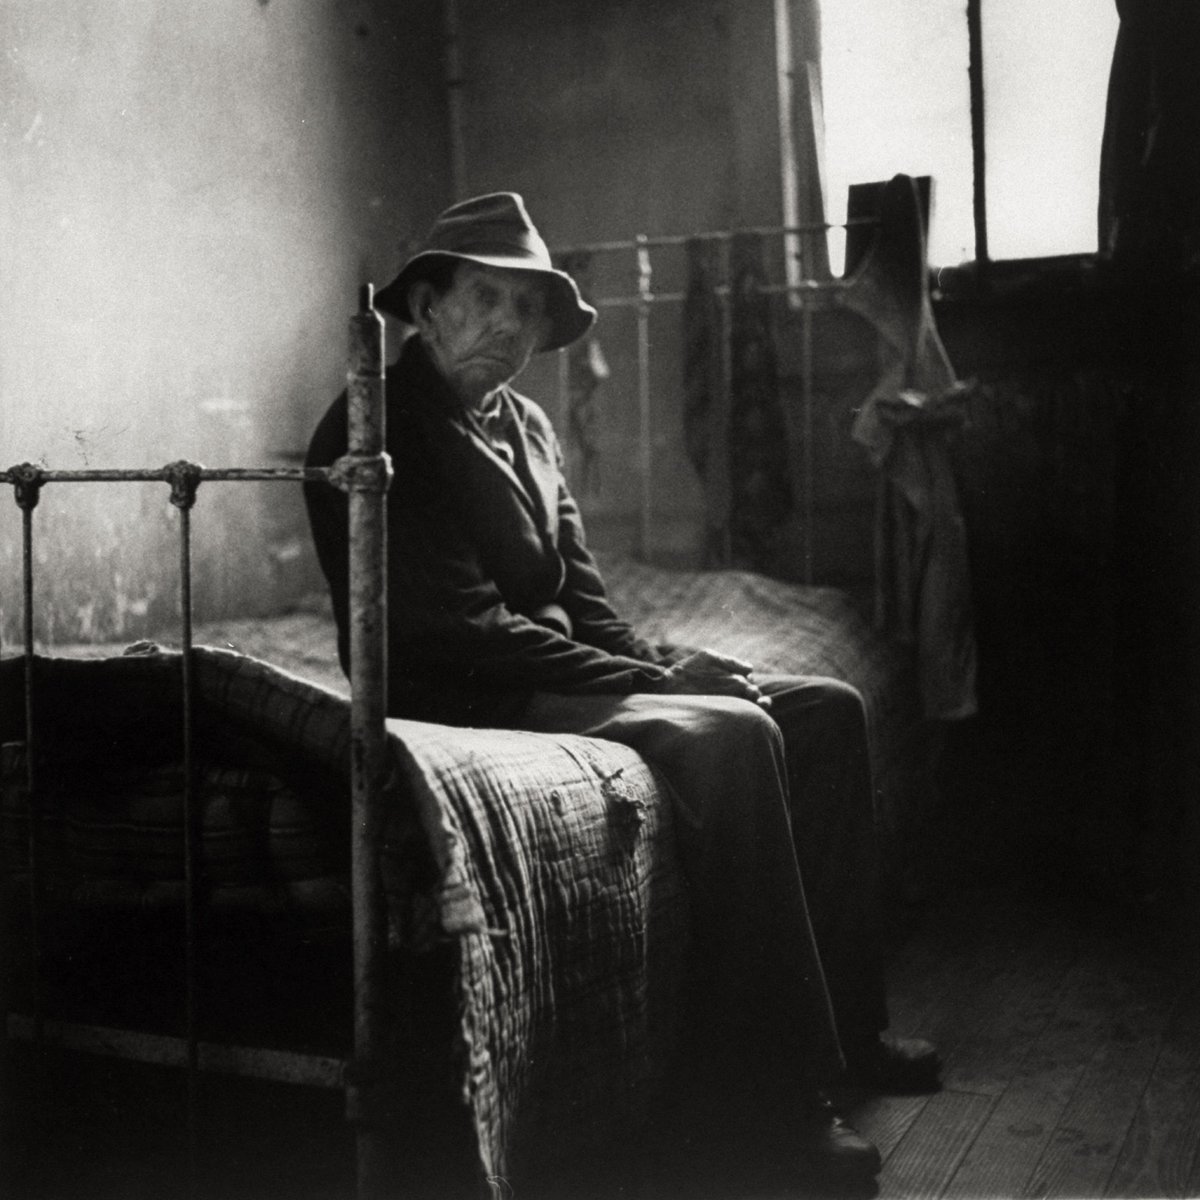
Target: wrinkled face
484	329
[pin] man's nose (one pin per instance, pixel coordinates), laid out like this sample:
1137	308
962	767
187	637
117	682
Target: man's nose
507	317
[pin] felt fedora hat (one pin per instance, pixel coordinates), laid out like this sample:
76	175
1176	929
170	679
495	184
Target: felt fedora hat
494	231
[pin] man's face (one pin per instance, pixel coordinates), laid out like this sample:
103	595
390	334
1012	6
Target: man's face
482	332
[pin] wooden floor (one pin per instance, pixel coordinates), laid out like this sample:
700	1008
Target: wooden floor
1070	1029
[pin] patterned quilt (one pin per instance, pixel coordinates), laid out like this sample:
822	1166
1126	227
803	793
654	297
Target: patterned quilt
555	878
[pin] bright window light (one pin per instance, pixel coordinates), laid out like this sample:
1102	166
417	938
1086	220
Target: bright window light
1045	77
897	98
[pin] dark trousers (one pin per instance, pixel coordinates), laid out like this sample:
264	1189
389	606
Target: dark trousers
774	820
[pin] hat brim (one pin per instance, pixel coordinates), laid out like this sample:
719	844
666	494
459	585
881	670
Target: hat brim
570	315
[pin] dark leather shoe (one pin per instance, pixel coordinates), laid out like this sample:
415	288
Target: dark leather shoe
891	1064
829	1148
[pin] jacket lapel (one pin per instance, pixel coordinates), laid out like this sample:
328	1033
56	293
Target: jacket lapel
481	446
469	455
537	469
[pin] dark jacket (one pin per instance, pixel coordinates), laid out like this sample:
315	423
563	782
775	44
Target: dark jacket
480	554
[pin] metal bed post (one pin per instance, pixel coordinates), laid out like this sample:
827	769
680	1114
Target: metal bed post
646	448
807	295
725	309
27	488
27	480
366	472
184	478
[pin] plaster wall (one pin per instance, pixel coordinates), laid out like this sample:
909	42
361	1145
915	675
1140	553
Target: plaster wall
189	197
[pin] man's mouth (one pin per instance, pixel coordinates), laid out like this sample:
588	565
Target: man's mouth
495	357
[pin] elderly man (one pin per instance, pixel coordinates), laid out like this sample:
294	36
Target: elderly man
498	616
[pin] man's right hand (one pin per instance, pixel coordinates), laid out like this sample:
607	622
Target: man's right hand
707	673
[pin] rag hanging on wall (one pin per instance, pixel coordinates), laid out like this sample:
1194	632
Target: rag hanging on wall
760	481
754	455
922	577
586	370
706	394
734	424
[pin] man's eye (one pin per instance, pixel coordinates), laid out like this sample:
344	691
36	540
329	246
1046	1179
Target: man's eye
487	296
529	306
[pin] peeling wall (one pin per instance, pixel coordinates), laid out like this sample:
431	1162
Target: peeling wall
189	197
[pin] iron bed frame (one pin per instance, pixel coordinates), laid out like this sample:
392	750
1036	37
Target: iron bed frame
806	294
365	474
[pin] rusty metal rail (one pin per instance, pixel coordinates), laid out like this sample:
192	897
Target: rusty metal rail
365	473
805	294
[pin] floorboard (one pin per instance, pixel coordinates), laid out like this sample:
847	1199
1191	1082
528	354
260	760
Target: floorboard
1016	1134
886	1119
1161	1154
1082	1153
1071	1034
924	1161
999	968
1045	1071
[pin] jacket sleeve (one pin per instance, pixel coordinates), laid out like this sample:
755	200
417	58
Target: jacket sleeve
583	594
329	520
447	621
446	614
446	617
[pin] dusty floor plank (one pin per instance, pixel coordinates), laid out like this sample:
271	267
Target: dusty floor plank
1082	1152
1045	1075
885	1119
1161	1155
1016	1006
997	973
925	1160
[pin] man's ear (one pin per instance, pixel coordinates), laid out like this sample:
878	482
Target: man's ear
420	303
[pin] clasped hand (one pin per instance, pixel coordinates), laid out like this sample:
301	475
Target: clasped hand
707	673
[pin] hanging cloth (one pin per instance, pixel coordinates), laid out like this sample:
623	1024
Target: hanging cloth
706	395
922	575
587	369
761	499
